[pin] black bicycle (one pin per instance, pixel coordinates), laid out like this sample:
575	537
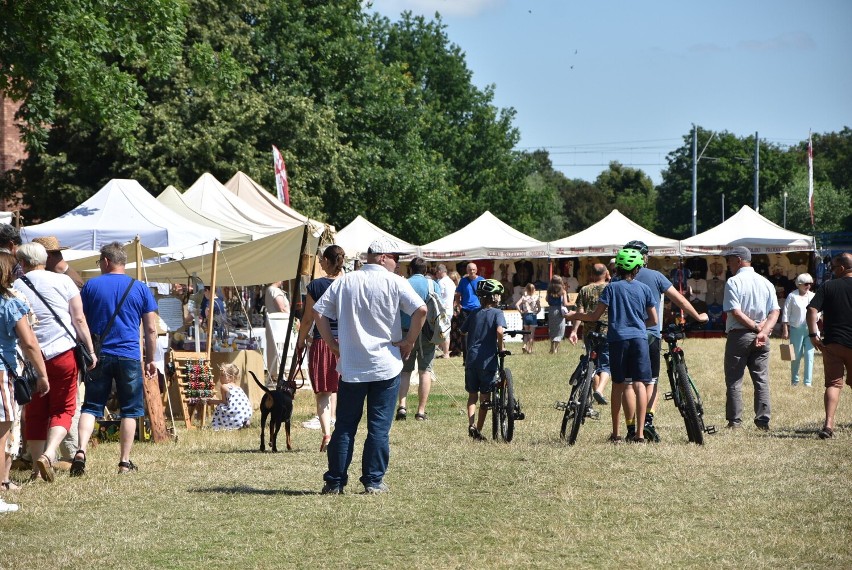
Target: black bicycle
684	393
505	408
580	404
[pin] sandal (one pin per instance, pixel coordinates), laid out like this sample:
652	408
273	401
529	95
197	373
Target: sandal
45	468
324	444
420	417
9	486
401	413
78	466
126	467
826	433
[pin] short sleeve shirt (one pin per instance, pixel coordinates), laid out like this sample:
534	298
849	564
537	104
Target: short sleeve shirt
627	302
58	290
467	291
659	284
316	288
101	296
481	328
834	299
752	294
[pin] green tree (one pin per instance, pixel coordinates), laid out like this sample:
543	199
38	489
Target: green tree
832	207
632	191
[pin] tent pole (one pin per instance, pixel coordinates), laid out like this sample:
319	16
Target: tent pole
283	362
211	307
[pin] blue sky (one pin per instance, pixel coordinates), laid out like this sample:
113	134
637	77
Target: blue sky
596	81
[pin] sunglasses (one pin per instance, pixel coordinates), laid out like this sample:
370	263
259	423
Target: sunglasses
394	256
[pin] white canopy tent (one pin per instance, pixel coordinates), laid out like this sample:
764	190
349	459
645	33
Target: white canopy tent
231	232
356	237
208	197
120	211
487	237
609	235
749	229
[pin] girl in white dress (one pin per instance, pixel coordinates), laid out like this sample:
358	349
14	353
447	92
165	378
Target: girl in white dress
234	409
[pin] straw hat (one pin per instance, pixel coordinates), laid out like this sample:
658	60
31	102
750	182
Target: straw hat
50	243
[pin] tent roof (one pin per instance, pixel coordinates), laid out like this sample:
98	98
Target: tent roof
266	260
120	211
609	235
356	237
485	237
262	200
207	196
231	232
749	229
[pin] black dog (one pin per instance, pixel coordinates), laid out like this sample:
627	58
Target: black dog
278	404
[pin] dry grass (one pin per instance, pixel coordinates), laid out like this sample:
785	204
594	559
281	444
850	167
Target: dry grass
745	499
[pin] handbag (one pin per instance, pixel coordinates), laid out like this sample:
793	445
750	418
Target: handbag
787	352
24	383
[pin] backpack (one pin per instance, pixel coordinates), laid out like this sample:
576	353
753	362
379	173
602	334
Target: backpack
437	326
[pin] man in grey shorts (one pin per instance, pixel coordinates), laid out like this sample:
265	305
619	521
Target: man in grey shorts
752	309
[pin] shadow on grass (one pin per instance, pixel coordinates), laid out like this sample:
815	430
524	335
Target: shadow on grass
244	490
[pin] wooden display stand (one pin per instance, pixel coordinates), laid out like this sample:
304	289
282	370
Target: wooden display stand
177	385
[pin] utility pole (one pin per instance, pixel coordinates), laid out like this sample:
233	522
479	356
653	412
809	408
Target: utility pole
756	172
694	179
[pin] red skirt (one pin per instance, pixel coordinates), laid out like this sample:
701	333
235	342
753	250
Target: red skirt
322	367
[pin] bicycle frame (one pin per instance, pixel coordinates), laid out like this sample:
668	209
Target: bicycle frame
684	393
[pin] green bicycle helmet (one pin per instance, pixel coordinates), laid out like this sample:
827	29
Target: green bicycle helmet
629	259
489	287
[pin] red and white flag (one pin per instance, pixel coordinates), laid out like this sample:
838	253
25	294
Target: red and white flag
280	176
811	177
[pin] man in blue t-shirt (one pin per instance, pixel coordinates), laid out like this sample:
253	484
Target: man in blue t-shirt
466	299
116	323
660	285
423	352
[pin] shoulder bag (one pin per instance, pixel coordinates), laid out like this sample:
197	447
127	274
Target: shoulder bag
98	339
25	383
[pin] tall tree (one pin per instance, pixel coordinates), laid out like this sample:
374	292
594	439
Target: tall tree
632	191
832	207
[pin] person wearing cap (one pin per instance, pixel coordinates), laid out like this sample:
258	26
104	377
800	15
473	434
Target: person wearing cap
367	304
834	300
660	286
753	310
55	261
795	328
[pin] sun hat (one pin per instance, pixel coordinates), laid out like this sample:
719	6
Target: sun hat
50	243
384	245
738	251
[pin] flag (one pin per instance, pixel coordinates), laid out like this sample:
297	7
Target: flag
811	177
280	176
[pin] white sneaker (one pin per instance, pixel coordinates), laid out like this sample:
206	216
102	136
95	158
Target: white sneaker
313	423
8	507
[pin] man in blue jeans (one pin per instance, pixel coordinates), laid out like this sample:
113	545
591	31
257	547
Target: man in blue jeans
120	356
367	304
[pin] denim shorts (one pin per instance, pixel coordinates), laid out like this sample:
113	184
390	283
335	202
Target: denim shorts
629	360
127	373
478	380
530	319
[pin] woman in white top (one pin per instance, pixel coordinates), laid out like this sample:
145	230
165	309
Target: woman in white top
277	318
795	328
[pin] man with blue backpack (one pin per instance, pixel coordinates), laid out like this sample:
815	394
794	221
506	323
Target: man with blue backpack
423	353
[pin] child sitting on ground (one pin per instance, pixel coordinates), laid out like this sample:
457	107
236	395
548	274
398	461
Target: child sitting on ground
234	409
631	307
484	328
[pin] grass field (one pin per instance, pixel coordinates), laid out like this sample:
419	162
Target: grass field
746	499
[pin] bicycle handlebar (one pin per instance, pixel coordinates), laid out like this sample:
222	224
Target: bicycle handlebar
515	333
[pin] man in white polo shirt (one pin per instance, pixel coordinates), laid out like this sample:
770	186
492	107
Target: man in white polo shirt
752	309
367	304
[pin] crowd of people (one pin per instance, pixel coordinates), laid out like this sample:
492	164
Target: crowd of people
366	337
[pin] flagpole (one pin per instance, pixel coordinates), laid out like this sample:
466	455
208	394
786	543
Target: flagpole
811	177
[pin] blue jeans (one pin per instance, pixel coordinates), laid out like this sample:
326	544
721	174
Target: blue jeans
127	373
381	401
802	346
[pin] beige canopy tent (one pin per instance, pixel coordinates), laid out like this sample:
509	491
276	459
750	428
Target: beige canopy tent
487	237
265	260
232	233
357	236
263	201
609	235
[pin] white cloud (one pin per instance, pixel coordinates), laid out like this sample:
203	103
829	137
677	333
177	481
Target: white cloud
788	41
458	8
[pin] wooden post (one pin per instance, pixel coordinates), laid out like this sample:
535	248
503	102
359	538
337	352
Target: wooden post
302	265
151	384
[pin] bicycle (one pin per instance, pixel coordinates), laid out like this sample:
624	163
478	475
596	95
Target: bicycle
505	408
684	393
580	403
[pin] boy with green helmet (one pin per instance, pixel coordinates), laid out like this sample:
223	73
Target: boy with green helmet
631	307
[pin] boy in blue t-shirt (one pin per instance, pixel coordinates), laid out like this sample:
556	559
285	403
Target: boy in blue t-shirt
632	307
484	328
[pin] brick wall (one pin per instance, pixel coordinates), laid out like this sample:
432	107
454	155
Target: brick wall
11	148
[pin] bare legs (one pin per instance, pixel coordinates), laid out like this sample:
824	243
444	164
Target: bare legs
326	410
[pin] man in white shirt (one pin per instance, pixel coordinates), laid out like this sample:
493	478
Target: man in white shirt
367	304
753	310
448	293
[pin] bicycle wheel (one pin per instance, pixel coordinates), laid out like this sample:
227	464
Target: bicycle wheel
575	382
509	408
689	410
581	404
